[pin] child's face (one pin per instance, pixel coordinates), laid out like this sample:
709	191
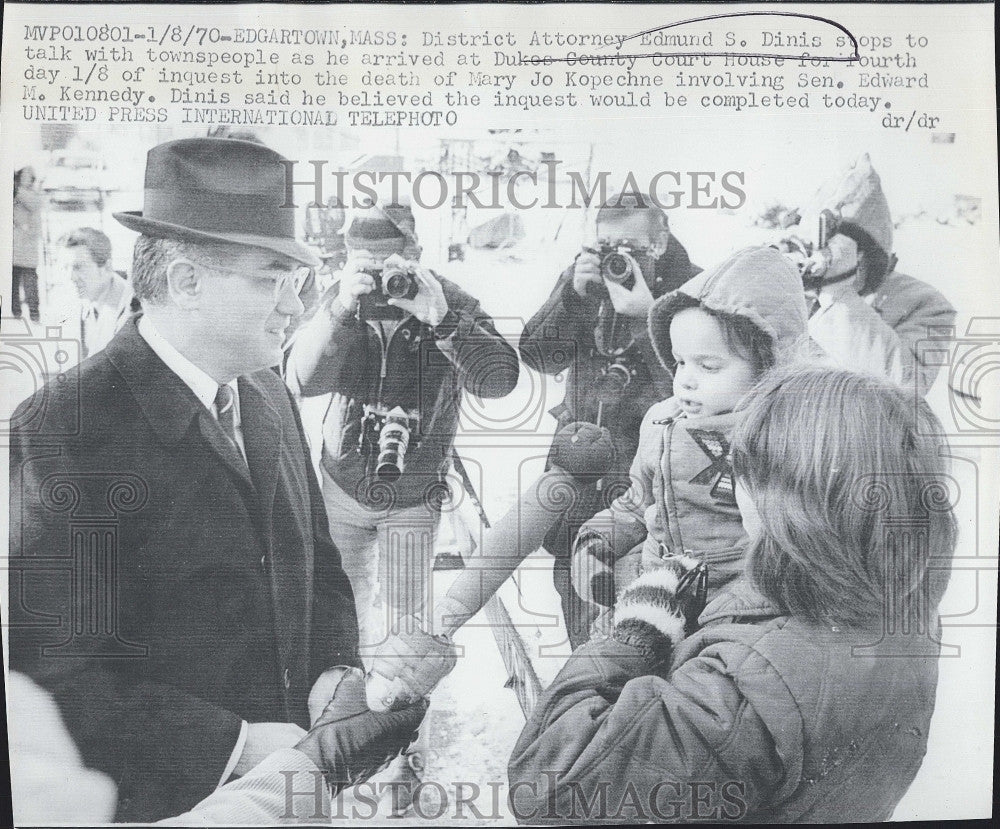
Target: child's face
710	378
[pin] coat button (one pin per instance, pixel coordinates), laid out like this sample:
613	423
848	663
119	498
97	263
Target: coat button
263	564
288	679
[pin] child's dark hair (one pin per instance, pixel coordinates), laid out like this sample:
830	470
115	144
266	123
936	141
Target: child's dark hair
743	337
848	476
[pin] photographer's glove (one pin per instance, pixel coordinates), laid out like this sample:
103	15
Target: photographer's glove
351	743
408	666
661	607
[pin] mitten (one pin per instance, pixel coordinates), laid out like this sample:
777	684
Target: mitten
407	666
584	450
653	612
592	569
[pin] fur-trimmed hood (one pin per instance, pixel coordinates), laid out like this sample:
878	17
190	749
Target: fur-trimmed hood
758	283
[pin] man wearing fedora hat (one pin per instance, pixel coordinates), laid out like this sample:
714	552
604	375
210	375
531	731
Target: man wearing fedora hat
173	581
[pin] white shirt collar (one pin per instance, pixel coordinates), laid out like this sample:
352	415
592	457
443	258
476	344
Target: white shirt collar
203	386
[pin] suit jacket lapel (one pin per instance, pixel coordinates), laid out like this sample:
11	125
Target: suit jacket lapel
262	441
167	402
223	447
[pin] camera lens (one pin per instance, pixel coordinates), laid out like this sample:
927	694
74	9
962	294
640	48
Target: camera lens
616	267
399	283
393	441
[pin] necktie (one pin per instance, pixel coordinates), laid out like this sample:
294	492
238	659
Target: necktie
225	406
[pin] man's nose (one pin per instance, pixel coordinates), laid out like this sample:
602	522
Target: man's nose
289	302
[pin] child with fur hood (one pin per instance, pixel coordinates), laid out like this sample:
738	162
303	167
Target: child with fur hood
718	333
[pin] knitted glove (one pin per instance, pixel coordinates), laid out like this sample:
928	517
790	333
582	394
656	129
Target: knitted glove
661	607
408	666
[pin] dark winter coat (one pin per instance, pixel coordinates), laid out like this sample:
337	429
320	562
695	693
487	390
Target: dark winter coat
761	717
160	590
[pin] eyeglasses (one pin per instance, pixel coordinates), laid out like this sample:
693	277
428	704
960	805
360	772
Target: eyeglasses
294	279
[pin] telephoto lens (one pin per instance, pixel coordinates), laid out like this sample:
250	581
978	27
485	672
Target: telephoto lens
399	283
393	441
617	267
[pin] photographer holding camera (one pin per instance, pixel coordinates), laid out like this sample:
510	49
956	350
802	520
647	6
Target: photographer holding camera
593	329
396	345
865	314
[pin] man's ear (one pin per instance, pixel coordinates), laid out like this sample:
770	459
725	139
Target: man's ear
183	284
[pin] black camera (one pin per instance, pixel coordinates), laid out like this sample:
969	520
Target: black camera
617	262
800	251
392	282
614	378
386	436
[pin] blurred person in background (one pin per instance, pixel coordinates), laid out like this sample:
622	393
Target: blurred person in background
27	239
865	314
106	297
593	329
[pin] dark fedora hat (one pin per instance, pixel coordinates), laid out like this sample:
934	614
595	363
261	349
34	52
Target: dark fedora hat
218	190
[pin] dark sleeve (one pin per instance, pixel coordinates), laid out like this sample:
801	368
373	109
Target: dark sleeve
609	723
334	628
551	337
328	352
486	364
164	748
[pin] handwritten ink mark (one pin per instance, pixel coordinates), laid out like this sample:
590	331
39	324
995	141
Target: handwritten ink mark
853	58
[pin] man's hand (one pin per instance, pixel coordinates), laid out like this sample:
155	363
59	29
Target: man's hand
351	743
634	302
429	305
586	272
354	282
263	738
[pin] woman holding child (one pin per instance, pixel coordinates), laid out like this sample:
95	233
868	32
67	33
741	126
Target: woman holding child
804	690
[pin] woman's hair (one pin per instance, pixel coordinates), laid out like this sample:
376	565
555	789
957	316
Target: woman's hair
743	337
848	476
